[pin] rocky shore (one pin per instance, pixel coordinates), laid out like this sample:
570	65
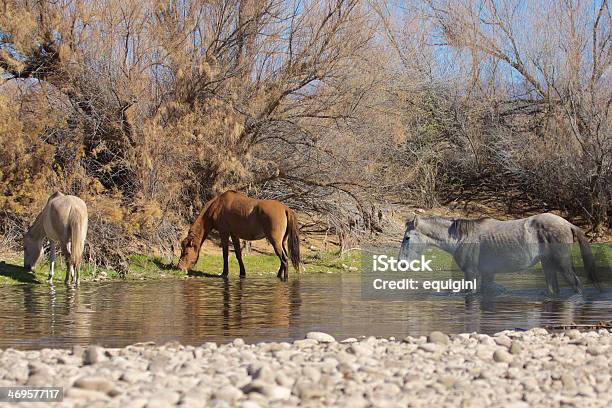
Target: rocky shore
510	369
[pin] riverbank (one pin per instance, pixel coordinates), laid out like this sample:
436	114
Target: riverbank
147	267
518	369
143	267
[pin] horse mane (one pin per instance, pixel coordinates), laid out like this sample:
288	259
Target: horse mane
461	228
55	195
209	210
198	225
37	225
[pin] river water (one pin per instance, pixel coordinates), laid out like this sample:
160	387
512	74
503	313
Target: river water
196	310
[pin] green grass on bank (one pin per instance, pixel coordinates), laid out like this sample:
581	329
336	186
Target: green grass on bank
143	267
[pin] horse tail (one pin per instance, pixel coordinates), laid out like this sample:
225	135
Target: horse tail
294	238
587	257
78	232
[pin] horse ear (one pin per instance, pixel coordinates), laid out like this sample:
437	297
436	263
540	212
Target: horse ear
415	220
411	220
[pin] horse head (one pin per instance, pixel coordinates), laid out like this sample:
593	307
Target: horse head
32	251
413	242
190	251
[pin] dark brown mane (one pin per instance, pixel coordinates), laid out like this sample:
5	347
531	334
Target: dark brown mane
461	228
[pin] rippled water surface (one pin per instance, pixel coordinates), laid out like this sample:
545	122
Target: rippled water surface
263	309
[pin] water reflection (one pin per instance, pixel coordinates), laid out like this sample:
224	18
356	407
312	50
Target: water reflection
226	307
200	309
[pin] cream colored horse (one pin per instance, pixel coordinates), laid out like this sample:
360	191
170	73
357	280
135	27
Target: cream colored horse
63	220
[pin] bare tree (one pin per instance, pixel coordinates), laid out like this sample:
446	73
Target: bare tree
161	105
549	123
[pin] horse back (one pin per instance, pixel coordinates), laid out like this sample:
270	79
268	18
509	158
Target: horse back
248	218
59	212
239	205
534	230
550	228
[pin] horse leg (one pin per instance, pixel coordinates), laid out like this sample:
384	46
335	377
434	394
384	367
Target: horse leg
471	274
51	260
237	251
565	266
71	267
66	252
286	255
278	250
487	281
550	275
225	246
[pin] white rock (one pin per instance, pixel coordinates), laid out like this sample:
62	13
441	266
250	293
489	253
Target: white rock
311	373
250	404
516	347
305	343
503	340
228	393
430	347
320	337
438	337
84	394
568	381
95	383
273	392
359	349
502	356
93	355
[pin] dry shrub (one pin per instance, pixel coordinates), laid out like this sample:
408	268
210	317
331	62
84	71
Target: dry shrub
24	162
147	110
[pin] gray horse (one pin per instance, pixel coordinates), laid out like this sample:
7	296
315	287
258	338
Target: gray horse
63	220
486	246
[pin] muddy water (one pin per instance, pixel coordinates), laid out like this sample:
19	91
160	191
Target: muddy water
200	309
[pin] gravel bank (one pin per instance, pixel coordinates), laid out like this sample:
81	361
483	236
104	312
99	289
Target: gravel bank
510	369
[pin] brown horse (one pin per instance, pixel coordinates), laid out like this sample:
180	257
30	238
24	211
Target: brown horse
237	216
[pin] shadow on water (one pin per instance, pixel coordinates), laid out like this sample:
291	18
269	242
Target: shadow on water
18	273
